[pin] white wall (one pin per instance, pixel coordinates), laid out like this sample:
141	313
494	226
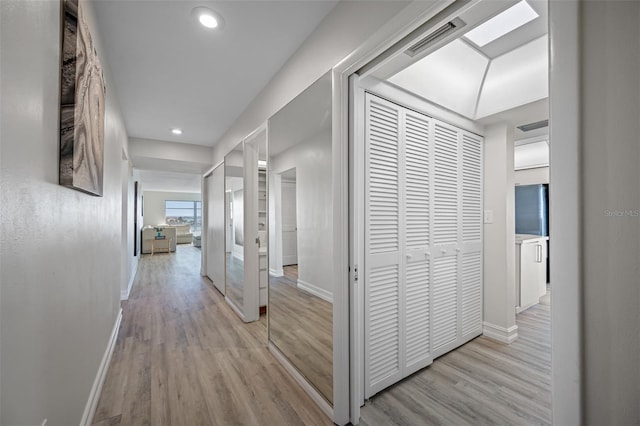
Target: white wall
129	262
154	206
347	26
165	150
532	176
595	114
610	65
59	248
499	236
312	161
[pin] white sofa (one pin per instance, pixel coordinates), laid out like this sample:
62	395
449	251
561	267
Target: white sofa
183	233
149	234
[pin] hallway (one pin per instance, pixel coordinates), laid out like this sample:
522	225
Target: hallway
183	357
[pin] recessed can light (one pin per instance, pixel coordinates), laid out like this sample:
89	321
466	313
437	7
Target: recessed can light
176	131
207	17
208	21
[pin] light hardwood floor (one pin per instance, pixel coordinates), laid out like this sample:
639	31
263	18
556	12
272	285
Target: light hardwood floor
184	358
480	383
302	328
234	283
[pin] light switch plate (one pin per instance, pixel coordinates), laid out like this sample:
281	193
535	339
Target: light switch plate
488	216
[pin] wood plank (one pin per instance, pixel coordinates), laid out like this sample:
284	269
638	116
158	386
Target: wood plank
482	382
183	357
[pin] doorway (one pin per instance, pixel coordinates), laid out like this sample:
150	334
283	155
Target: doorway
289	220
446	75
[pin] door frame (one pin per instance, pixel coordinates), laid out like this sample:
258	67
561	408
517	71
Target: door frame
283	184
564	77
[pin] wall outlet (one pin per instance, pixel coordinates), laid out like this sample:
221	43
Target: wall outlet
488	216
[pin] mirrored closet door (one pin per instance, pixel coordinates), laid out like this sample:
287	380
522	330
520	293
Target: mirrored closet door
234	226
300	235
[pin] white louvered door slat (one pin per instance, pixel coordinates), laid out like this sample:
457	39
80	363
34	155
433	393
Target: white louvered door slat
471	247
383	340
445	300
416	238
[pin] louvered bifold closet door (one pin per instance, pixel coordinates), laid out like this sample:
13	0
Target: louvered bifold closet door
445	249
383	293
471	247
397	242
417	240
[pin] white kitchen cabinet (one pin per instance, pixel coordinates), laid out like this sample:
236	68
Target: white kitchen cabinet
531	270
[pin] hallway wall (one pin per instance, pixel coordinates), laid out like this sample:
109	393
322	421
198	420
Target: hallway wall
59	248
610	64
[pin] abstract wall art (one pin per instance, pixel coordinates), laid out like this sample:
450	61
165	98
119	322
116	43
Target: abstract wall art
82	105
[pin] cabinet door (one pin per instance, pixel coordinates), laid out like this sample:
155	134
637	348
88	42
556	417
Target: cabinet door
529	274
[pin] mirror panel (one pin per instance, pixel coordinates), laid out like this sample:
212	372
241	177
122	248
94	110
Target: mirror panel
234	225
300	234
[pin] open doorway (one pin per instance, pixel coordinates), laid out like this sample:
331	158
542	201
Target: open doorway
436	120
289	222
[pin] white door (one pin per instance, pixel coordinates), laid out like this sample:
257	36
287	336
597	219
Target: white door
471	237
289	224
423	238
215	241
397	290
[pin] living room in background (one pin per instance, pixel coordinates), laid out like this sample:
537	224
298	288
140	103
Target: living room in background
181	212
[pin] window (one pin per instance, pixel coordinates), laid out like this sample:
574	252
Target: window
184	212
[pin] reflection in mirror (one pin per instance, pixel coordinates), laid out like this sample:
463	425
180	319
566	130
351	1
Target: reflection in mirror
300	235
234	229
262	218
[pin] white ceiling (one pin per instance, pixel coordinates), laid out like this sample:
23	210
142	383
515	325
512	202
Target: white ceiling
479	82
169	71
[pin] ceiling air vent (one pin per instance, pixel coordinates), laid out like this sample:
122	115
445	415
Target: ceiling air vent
533	126
435	36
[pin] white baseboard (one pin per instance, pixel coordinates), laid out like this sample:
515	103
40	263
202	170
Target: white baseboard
302	381
501	334
124	295
276	272
315	290
96	389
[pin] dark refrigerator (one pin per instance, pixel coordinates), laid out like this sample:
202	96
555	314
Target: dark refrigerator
532	212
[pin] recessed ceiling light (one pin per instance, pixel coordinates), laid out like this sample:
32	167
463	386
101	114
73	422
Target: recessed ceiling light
501	24
207	17
176	131
208	21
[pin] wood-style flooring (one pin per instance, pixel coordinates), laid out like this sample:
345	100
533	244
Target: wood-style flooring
234	282
302	328
184	358
480	383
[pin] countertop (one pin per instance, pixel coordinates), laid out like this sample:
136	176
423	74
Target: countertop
528	238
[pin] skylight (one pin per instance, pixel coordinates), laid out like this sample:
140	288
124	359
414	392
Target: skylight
501	24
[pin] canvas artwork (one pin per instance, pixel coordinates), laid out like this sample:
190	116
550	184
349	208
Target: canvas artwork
82	105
